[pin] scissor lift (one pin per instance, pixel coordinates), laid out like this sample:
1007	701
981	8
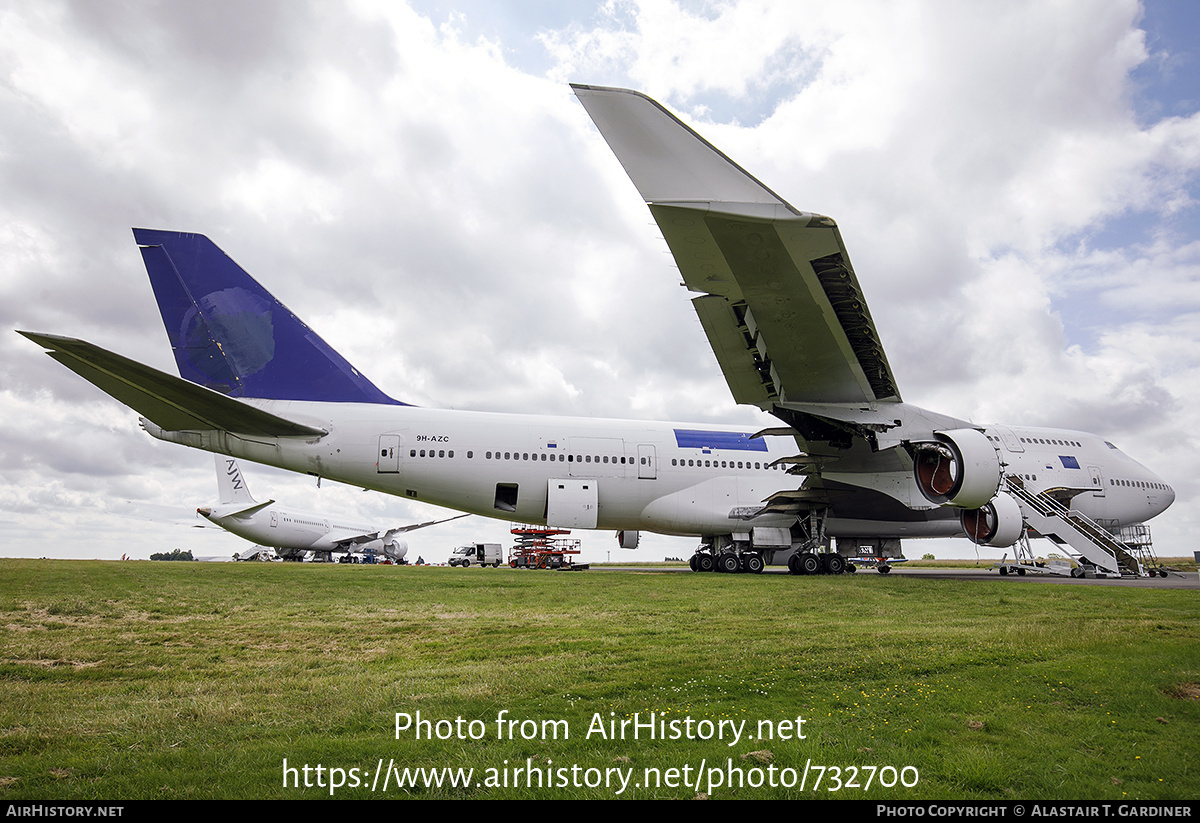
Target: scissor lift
543	547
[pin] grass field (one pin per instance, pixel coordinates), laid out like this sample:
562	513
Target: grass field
195	680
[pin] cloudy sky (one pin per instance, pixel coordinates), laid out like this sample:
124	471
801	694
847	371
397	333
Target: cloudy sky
1016	183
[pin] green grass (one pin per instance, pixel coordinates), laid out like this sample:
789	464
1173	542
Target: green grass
190	680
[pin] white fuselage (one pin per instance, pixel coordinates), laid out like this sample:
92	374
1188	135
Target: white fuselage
1121	490
668	478
292	530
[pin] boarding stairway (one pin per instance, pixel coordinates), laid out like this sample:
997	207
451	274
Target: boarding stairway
1089	540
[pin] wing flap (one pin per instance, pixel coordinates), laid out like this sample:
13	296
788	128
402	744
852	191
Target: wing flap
788	282
747	373
170	402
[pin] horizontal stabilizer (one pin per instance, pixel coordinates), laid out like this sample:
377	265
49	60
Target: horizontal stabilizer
169	402
247	510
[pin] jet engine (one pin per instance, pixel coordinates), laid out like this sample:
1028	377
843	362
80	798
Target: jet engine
961	468
998	524
395	549
628	539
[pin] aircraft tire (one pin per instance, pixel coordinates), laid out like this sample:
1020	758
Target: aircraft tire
729	563
752	564
705	562
834	564
809	563
692	563
793	564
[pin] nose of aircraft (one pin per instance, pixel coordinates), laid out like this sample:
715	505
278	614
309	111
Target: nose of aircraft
1162	497
1167	498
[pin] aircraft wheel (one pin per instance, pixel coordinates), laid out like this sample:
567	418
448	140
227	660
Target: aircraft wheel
793	564
834	564
705	562
884	568
810	563
728	562
752	564
692	563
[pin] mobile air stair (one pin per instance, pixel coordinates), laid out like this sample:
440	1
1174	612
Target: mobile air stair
1097	550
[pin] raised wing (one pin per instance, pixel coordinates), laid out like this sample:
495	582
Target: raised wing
781	306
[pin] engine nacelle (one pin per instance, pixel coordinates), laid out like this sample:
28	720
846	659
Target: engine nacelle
395	549
628	539
961	469
998	524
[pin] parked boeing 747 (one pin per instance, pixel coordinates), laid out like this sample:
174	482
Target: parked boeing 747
786	318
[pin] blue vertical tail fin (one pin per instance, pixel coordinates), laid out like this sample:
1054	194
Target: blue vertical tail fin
231	335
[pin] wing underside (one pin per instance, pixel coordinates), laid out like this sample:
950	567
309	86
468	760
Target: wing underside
345	541
779	300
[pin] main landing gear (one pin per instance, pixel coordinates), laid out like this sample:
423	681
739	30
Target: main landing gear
808	562
729	562
806	545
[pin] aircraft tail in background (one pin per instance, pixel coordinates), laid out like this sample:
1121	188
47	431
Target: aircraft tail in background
230	483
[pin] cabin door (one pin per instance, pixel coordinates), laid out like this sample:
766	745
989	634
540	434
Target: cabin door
647	465
388	460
